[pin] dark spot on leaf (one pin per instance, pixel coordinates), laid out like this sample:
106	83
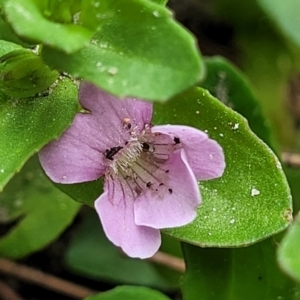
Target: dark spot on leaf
161	184
148	184
167	171
170	191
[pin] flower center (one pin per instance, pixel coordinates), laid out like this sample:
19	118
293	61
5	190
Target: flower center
141	162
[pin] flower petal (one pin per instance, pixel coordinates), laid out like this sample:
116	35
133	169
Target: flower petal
75	156
115	209
204	155
114	116
176	203
79	154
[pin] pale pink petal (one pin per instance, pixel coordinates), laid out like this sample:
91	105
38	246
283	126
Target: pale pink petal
113	114
115	209
204	155
76	156
174	203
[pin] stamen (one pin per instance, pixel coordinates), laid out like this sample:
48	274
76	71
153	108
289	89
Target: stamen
139	164
109	153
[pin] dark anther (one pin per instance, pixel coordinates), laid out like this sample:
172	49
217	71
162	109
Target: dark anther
148	184
177	140
145	147
109	153
170	191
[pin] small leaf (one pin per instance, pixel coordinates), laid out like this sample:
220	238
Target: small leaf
286	16
43	212
27	18
24	74
288	252
129	293
28	124
251	201
154	60
246	273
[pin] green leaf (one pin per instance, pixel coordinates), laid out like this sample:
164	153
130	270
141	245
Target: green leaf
91	255
6	33
84	192
6	47
28	124
286	16
24	74
268	59
293	177
232	274
43	211
231	87
129	293
28	19
251	201
58	10
154	60
288	252
160	2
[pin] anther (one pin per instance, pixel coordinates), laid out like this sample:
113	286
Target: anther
145	147
177	140
148	184
109	153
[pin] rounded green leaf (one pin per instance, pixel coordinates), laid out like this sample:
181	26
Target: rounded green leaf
286	16
154	60
288	252
129	293
43	211
246	273
28	20
251	201
231	87
28	124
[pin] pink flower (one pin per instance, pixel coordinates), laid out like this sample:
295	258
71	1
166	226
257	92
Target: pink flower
150	172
